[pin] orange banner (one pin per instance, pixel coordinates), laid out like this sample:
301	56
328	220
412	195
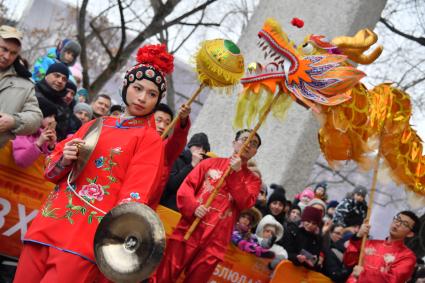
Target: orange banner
240	266
22	192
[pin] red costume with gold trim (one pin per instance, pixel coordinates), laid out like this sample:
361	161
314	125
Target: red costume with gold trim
126	165
384	261
199	255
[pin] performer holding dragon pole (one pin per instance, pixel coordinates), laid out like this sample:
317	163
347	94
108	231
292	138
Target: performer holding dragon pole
125	166
199	255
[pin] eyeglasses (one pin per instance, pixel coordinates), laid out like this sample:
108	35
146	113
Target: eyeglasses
252	143
397	220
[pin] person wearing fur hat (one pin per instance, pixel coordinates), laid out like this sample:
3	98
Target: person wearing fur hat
66	52
27	149
268	232
354	206
197	147
198	256
83	111
125	166
304	247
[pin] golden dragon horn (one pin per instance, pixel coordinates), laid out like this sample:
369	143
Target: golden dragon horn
355	46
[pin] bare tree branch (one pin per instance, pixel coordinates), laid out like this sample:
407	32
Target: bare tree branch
420	40
102	42
82	41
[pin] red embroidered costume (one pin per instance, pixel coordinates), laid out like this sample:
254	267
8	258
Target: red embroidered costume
384	261
207	245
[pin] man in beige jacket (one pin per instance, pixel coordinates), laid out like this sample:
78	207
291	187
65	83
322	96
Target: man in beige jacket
19	111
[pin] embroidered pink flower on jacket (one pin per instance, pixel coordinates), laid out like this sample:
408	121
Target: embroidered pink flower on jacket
92	192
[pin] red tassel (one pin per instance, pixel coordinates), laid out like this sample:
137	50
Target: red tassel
157	56
297	22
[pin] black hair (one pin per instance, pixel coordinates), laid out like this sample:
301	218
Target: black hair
414	217
240	132
165	108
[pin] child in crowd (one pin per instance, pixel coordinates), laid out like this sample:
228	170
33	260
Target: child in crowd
354	206
268	232
305	197
83	111
67	52
244	239
320	191
27	149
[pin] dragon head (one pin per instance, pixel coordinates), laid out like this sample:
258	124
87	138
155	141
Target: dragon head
312	79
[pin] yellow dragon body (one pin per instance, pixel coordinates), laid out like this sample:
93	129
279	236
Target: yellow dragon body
318	75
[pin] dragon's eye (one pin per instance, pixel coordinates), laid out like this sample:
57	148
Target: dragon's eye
308	48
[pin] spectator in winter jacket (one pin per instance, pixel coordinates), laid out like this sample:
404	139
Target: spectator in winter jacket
268	232
53	88
197	147
276	204
74	123
82	95
353	206
19	111
304	247
333	248
27	149
83	111
101	105
66	52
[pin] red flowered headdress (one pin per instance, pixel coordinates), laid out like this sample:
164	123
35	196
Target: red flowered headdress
153	64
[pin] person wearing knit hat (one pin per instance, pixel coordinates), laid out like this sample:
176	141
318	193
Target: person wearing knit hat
53	87
304	246
195	152
83	112
71	90
125	165
276	204
354	206
66	52
319	204
305	197
27	149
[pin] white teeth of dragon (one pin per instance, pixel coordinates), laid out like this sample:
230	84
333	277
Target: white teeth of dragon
264	47
261	43
265	55
286	67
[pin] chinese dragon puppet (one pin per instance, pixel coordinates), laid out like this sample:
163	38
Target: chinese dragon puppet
318	75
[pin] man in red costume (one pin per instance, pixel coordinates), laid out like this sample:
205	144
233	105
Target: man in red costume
386	260
199	255
125	166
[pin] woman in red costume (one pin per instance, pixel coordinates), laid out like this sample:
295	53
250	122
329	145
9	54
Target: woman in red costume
199	255
126	165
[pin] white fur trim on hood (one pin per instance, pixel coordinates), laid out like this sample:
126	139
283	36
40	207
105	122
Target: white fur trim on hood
270	220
